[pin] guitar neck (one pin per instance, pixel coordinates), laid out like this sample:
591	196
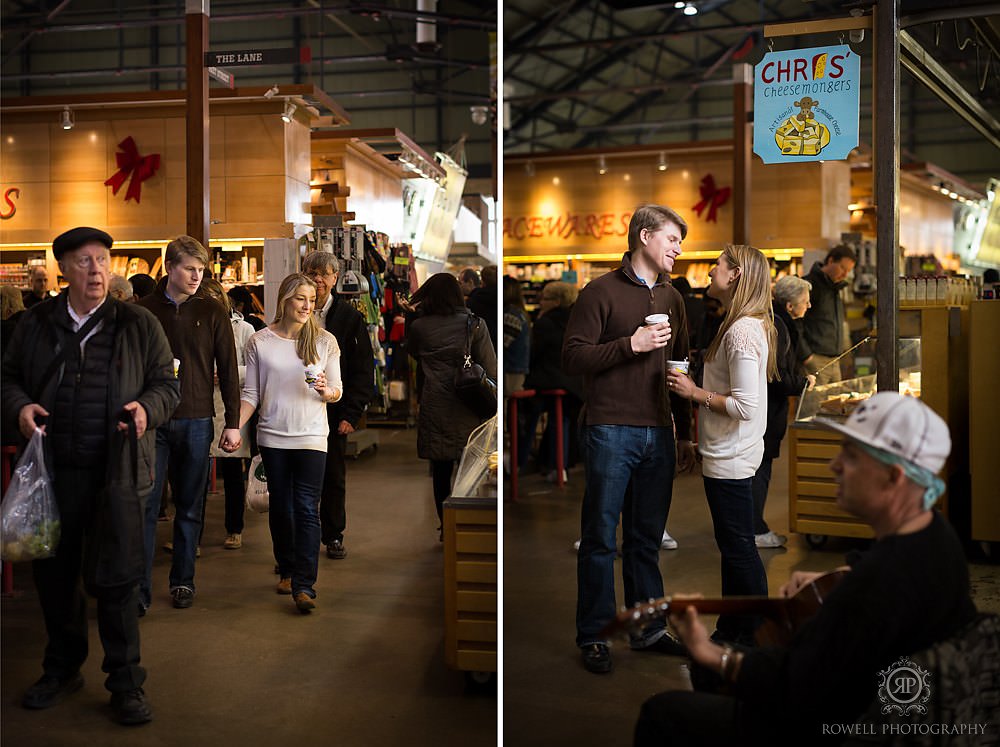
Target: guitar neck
775	608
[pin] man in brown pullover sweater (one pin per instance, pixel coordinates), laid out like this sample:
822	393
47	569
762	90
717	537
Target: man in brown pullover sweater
201	338
628	434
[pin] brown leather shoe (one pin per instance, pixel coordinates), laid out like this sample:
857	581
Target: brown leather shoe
284	586
304	602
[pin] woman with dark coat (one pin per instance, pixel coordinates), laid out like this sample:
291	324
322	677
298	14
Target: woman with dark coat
791	299
546	373
437	340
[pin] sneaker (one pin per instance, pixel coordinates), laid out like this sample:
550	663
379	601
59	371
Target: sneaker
553	477
233	541
131	707
284	586
665	644
335	550
770	539
49	690
183	597
304	603
668	542
596	658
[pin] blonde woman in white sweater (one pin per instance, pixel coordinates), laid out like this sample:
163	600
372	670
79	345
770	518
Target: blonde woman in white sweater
733	418
293	428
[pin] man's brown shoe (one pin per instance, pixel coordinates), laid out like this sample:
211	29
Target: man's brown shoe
284	586
304	602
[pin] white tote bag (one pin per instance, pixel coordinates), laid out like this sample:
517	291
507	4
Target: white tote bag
257	499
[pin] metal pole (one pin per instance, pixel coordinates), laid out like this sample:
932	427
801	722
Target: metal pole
742	150
197	121
886	164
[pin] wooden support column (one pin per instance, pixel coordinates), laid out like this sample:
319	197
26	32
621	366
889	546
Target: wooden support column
886	164
742	150
197	120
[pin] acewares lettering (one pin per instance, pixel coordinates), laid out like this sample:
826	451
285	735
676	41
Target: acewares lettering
6	213
565	225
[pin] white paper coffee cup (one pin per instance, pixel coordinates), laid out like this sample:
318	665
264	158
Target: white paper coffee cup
681	366
311	373
657	319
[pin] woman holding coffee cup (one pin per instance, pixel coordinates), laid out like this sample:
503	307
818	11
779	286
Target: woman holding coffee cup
293	428
738	364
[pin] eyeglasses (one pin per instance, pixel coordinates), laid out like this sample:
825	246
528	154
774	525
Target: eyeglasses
83	261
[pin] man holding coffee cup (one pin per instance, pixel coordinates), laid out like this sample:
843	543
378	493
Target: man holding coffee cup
619	338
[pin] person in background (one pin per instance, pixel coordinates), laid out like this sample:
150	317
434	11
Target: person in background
293	372
791	299
116	376
142	285
38	280
468	280
119	288
243	301
201	338
482	301
231	464
555	304
437	339
11	311
909	591
738	365
516	337
357	370
823	324
628	433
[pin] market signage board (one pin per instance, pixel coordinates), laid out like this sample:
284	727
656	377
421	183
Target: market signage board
806	104
245	57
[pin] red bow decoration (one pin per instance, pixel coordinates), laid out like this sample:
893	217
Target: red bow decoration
711	197
131	163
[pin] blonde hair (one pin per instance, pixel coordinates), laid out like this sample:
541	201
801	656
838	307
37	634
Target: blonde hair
11	301
751	297
305	344
186	245
564	293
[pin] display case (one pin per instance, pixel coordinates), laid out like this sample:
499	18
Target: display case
932	357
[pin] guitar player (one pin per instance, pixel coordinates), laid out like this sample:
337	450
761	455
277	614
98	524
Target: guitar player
909	591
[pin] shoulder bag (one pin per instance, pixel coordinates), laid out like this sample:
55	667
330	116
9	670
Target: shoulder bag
472	386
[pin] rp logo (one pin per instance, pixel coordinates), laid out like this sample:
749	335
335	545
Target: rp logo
904	688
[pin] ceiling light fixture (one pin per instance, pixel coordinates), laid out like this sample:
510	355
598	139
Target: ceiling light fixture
602	165
690	10
662	164
67	121
271	92
679	4
529	168
289	112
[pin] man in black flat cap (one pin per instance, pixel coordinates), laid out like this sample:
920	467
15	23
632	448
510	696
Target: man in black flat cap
96	376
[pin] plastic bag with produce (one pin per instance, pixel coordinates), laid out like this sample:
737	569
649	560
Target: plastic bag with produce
29	524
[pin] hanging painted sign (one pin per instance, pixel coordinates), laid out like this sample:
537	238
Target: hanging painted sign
806	104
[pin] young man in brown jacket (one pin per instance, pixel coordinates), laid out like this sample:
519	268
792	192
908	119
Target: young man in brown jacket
628	433
201	339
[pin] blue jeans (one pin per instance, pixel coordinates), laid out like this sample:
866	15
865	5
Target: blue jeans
294	484
731	504
614	457
182	454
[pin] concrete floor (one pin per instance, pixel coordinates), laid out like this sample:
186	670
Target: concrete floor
548	697
243	667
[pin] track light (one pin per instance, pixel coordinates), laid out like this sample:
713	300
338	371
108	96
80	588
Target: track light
289	111
679	4
529	168
602	165
690	10
67	120
271	92
662	164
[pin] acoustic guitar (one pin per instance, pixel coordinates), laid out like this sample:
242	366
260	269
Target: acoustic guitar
782	615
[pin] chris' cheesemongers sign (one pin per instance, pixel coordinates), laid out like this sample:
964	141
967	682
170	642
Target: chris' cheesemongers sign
806	104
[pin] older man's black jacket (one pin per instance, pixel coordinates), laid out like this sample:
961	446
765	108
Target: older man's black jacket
357	363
